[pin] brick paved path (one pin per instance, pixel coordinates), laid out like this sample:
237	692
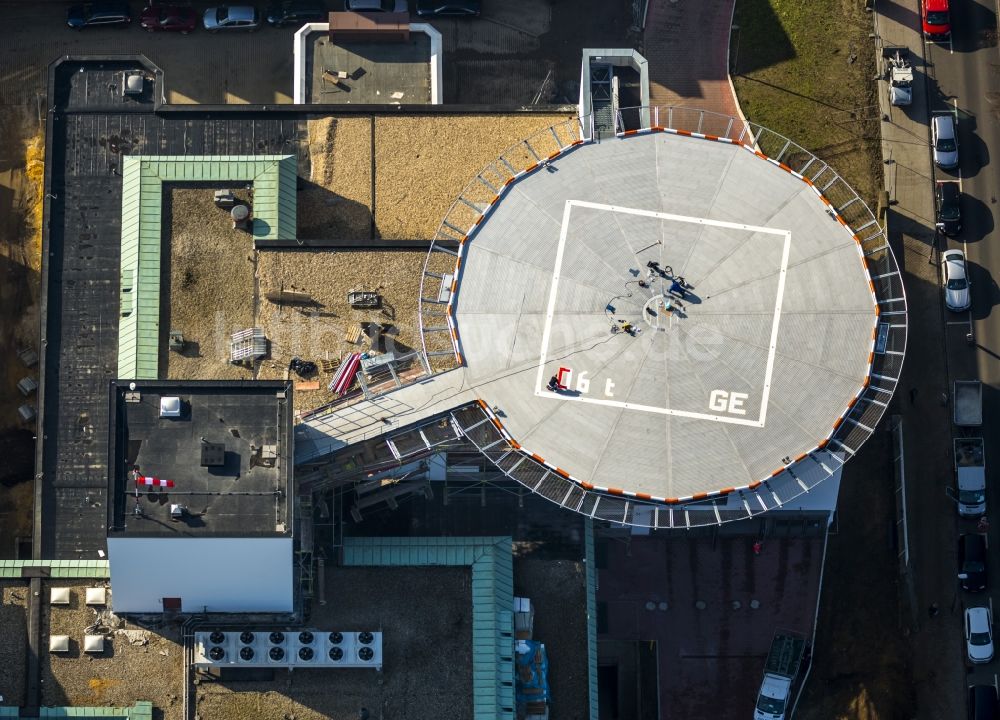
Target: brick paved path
687	45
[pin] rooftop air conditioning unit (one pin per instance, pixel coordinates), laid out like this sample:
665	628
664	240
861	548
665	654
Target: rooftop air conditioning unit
247	648
368	648
219	648
305	648
133	83
170	407
276	652
340	648
288	648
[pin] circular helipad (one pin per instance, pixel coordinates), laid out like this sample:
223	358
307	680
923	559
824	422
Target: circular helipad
665	315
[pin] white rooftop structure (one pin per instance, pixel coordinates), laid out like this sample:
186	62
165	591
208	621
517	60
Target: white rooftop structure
745	376
170	407
757	362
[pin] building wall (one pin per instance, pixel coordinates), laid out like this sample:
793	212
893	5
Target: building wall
220	574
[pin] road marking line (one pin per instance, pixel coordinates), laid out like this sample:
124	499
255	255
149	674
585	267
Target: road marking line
679	218
774	327
553	292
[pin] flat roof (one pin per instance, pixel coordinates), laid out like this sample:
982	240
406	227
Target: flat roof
274	179
88	137
378	72
754	366
216	453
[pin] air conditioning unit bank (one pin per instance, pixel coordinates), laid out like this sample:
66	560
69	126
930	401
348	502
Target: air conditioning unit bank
254	647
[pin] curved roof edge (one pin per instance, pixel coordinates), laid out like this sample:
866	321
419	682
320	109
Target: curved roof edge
862	413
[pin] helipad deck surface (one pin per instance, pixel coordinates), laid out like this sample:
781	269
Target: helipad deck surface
753	368
756	365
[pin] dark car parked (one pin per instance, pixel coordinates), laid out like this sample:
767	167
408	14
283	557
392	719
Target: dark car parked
169	18
983	702
396	6
449	8
296	12
100	14
949	207
972	561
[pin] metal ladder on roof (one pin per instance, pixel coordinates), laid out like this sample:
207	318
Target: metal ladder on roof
602	98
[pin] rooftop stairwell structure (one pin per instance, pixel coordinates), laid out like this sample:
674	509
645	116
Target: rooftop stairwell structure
599	85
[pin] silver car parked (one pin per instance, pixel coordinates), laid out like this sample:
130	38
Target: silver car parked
235	17
979	634
957	296
944	140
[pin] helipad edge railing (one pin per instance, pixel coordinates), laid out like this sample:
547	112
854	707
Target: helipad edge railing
797	476
439	337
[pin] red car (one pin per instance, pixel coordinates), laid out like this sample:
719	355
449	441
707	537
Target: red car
936	19
171	18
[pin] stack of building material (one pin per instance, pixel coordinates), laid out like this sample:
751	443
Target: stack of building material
524	618
247	345
531	680
344	377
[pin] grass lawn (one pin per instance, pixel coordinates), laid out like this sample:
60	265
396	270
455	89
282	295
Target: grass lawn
805	69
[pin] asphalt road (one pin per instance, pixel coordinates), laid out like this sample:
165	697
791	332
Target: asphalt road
964	77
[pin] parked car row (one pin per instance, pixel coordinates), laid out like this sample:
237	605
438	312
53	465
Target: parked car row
979	644
184	18
984	703
983	700
948	204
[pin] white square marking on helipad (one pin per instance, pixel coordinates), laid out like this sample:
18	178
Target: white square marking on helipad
554	291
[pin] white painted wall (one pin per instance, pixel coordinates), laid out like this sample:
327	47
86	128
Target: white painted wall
222	574
299	78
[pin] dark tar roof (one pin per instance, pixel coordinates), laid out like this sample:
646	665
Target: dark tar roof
238	496
90	128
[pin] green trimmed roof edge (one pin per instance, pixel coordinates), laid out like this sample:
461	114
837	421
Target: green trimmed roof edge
58	569
142	710
274	177
492	563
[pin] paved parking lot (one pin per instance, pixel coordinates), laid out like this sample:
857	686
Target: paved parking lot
517	52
